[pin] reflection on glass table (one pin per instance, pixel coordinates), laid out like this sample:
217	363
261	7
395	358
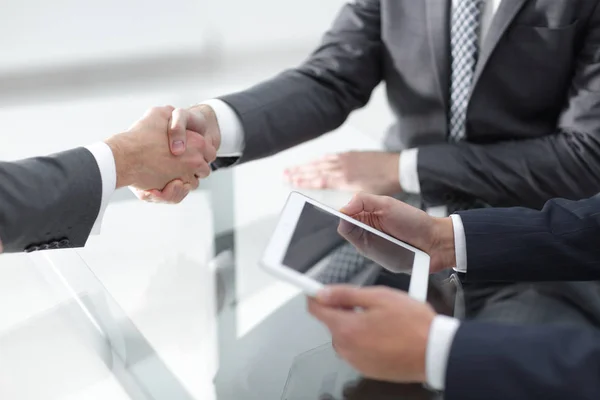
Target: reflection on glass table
82	346
321	375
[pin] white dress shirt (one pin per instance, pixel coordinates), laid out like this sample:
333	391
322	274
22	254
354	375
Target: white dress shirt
443	328
108	173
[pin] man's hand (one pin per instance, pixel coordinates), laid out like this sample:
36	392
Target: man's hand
386	339
369	171
200	119
143	159
435	236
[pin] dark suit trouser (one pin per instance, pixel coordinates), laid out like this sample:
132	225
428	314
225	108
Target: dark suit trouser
572	303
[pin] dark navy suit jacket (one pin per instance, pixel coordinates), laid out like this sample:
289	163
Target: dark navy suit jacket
487	361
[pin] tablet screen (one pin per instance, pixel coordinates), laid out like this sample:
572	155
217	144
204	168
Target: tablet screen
332	250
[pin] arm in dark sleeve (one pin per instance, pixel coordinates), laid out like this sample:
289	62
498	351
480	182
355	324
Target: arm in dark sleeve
522	363
49	199
561	242
565	163
318	96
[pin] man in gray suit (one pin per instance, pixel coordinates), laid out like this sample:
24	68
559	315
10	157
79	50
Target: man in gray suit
53	202
497	103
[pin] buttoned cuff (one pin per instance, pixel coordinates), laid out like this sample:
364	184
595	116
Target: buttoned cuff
441	335
409	176
460	244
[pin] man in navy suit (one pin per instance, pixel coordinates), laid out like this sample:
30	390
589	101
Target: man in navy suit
396	338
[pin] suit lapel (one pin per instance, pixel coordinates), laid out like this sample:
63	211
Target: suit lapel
438	26
505	14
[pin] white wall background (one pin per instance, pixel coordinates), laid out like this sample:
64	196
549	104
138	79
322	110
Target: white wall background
38	33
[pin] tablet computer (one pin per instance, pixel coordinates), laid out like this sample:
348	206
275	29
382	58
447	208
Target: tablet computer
308	231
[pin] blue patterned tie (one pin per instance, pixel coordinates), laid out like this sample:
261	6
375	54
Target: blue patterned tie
466	18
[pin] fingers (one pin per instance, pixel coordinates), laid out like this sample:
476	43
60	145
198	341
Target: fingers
202	170
195	120
193	185
164	111
210	152
343	324
331	179
350	297
346	228
331	317
365	202
173	193
182	121
353	234
177	132
326	163
201	154
319	174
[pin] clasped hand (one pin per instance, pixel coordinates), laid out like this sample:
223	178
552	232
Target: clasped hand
165	153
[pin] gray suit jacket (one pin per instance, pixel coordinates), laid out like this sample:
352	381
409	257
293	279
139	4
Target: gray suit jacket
533	123
49	202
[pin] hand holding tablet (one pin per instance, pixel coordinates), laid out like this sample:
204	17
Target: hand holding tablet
376	248
304	226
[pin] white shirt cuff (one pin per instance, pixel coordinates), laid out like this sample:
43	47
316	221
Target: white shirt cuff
232	131
437	211
108	173
409	176
441	335
460	244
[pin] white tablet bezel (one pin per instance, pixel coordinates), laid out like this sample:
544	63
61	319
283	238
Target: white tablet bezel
272	259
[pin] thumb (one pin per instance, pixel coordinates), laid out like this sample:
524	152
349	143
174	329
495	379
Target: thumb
177	132
345	296
363	202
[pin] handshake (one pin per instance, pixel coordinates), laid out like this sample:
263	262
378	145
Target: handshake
165	154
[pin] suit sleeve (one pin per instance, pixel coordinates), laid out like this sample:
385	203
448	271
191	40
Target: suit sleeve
318	96
49	199
522	363
517	244
564	163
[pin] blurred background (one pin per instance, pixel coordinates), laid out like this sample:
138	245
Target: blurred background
142	311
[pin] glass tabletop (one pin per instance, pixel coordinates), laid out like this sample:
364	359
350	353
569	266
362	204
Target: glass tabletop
170	303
